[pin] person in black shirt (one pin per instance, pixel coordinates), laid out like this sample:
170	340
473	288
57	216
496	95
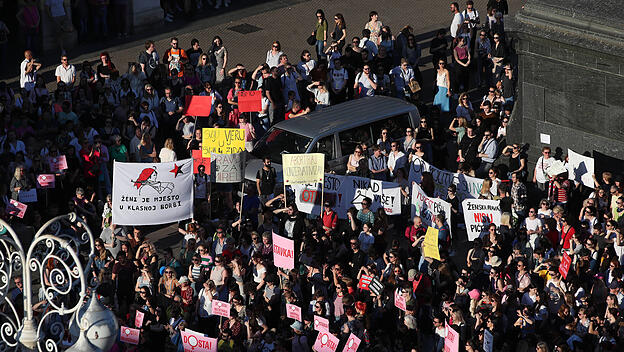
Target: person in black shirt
508	84
148	59
273	89
438	47
194	52
105	68
468	148
265	180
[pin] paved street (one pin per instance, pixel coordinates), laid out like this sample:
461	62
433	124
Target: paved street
290	22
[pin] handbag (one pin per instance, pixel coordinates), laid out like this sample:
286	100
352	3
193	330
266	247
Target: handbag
311	39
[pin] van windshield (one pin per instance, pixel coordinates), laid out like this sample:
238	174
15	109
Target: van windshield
277	142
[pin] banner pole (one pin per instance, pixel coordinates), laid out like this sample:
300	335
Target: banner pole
240	218
210	199
285	197
322	194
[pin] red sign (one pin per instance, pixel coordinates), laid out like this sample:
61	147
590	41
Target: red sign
293	312
46	181
399	300
325	342
365	280
16	208
250	101
220	308
565	265
352	344
198	105
138	319
321	324
57	163
196	342
199	160
129	335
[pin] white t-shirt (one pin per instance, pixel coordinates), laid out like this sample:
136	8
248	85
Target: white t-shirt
457	20
366	87
472	15
67	74
339	78
27	80
167	155
532	224
540	168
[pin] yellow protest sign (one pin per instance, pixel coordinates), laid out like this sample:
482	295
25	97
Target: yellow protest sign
222	141
430	245
303	168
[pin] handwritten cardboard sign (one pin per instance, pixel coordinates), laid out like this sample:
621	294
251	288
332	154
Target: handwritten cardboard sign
250	101
222	141
198	159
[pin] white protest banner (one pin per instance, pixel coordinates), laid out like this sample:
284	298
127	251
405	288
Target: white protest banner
228	168
29	196
303	168
196	342
478	214
152	193
427	208
582	168
384	194
467	187
308	196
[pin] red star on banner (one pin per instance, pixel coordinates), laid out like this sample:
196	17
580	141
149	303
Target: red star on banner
176	170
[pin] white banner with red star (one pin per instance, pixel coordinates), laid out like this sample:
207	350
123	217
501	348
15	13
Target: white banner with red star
152	193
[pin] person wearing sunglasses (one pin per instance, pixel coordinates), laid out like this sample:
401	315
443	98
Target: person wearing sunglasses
543	163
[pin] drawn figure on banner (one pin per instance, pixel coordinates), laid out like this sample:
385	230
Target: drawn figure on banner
148	177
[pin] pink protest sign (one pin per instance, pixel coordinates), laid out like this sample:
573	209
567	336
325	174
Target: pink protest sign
46	181
564	267
399	300
321	324
57	163
352	344
220	308
325	342
16	208
283	252
196	342
293	312
129	335
451	342
138	319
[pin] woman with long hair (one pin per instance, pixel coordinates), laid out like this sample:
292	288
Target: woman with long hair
340	31
320	32
205	69
273	54
220	57
443	86
103	257
147	150
386	40
167	153
106	67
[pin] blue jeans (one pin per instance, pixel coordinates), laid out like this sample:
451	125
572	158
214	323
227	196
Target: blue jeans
319	49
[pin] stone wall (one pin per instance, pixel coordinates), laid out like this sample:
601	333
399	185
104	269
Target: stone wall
570	80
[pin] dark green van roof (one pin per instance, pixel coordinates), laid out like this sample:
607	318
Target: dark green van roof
347	115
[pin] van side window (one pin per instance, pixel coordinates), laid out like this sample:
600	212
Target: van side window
350	138
396	126
325	145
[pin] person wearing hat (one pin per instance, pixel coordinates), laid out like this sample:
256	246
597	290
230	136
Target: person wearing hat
330	217
299	339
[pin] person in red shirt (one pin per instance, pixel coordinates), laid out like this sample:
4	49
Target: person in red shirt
296	110
90	156
567	231
330	218
175	58
416	230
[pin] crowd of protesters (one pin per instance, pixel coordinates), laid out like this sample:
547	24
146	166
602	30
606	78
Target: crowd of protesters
508	282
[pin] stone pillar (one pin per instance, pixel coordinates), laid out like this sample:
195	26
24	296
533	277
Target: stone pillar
571	75
50	32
